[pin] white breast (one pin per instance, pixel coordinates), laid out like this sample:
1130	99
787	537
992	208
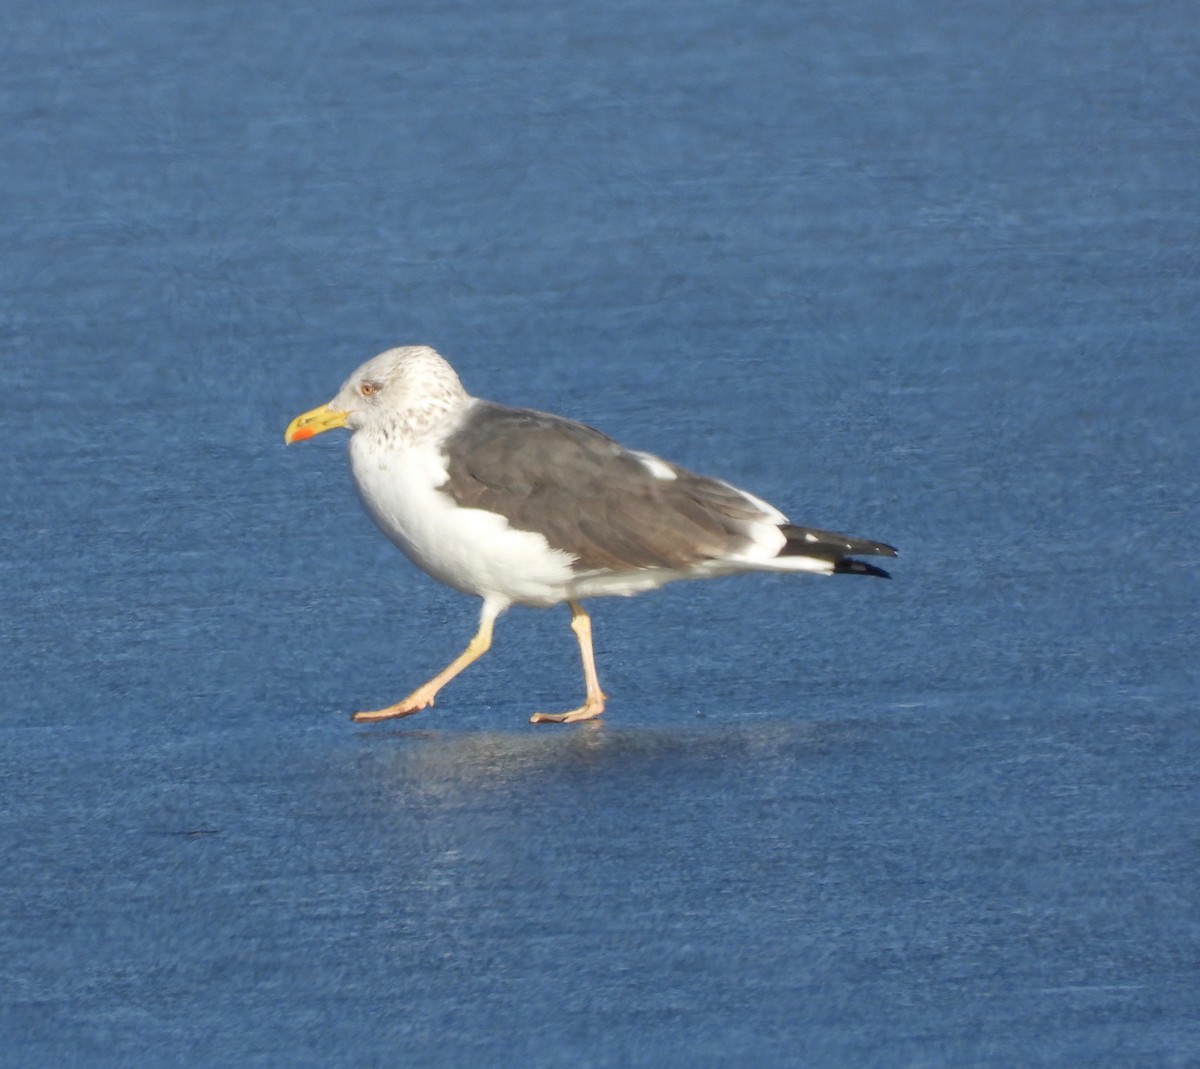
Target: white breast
471	550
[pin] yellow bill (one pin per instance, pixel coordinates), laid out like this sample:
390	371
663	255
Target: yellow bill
310	424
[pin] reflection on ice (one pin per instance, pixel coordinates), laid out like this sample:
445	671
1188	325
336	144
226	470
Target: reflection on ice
429	767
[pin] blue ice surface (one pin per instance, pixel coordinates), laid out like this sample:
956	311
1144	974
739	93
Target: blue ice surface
924	273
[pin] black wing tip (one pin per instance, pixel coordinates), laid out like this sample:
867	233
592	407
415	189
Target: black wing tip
850	566
815	542
875	549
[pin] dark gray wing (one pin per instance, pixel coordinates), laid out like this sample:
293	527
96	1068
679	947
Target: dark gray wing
588	495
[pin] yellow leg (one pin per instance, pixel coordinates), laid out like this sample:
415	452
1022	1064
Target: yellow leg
424	695
593	705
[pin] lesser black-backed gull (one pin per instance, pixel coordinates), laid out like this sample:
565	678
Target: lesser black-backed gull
523	508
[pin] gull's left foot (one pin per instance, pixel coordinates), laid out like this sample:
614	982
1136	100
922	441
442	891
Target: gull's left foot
414	703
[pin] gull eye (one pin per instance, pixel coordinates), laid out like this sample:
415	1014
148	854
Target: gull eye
368	389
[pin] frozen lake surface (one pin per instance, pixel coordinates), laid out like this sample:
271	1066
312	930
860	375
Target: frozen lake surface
926	275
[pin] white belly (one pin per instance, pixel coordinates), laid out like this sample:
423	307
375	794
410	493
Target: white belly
471	550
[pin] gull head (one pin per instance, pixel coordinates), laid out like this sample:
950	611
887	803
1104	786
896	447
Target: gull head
404	393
